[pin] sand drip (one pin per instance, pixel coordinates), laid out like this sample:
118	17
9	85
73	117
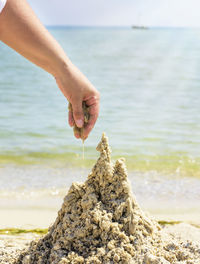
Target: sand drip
101	222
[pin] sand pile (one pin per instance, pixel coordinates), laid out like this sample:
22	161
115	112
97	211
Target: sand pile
101	222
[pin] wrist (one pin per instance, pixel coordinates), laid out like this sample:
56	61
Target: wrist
61	68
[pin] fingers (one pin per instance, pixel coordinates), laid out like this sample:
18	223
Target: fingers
77	135
78	113
76	116
72	122
94	112
70	118
77	132
89	126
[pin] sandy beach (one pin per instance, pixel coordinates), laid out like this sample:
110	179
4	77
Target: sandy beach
100	221
62	232
12	245
28	218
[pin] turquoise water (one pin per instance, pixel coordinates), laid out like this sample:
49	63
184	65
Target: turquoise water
149	83
150	109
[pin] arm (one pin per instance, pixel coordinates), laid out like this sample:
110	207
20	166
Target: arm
21	30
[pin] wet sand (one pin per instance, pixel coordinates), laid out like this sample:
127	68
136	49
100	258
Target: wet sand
100	221
11	245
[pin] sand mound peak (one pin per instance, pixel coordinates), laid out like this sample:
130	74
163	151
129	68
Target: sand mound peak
101	222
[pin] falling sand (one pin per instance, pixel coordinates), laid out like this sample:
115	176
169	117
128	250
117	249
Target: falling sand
101	222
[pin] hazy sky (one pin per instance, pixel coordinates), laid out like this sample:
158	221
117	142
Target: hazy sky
118	12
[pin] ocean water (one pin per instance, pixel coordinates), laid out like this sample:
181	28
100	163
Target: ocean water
150	109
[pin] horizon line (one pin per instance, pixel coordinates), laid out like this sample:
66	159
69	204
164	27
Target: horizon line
121	26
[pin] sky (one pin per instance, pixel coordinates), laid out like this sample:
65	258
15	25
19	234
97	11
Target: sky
168	13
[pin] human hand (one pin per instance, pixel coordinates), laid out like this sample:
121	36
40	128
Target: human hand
36	44
77	89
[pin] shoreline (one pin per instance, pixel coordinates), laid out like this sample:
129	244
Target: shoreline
103	214
28	218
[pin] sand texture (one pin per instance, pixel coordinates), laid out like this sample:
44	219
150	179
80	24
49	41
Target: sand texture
12	245
101	222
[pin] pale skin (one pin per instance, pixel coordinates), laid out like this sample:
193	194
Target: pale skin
22	31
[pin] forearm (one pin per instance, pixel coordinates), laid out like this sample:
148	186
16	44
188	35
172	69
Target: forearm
21	30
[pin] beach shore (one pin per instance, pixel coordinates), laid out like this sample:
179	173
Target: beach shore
12	245
23	211
39	158
17	227
37	218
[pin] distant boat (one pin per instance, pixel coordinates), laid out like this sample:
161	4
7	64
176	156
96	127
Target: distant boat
139	27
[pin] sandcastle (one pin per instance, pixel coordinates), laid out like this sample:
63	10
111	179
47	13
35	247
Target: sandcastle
101	222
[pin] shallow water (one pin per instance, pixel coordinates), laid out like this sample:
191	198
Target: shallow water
149	83
41	188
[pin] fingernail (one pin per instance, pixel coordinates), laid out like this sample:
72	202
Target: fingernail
71	124
77	136
79	123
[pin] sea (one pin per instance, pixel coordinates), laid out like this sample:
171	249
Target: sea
149	81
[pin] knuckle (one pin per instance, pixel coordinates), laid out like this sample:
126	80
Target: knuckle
96	97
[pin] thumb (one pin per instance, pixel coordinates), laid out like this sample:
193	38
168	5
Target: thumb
78	113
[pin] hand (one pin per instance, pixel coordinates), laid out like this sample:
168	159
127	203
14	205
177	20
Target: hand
35	43
77	89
